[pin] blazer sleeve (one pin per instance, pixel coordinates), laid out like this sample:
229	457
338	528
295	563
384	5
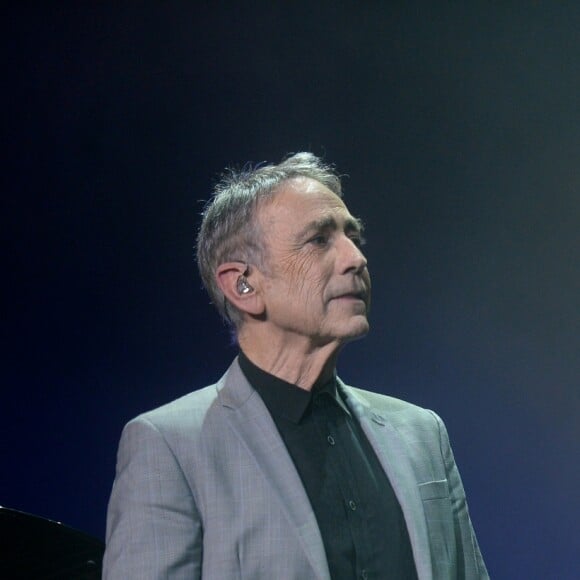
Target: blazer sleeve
154	529
470	561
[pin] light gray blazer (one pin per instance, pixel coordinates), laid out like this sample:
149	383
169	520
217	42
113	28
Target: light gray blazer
205	488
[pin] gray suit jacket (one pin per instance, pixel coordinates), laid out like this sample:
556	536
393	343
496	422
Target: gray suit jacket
205	488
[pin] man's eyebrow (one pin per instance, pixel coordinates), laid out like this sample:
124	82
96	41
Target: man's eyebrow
351	224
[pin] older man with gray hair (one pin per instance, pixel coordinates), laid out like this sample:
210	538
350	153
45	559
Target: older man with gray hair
280	470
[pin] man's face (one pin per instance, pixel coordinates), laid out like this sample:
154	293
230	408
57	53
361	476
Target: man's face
316	283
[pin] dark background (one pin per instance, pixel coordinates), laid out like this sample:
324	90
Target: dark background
458	126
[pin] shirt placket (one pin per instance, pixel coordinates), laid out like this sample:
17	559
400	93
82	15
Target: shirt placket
331	422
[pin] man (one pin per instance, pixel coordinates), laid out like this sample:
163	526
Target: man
280	470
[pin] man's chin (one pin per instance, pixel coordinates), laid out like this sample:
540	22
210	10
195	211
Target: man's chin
359	328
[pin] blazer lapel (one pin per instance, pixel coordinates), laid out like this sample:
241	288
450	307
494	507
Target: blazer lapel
253	424
394	456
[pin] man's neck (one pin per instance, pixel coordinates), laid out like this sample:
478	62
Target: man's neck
298	362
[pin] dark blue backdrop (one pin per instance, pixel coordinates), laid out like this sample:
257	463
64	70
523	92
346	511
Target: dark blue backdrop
459	129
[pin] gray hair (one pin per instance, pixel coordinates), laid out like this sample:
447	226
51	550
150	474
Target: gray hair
230	231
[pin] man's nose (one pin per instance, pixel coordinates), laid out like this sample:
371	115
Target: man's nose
351	256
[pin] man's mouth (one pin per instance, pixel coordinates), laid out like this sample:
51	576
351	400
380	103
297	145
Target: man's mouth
355	295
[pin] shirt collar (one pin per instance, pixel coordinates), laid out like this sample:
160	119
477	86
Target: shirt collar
283	398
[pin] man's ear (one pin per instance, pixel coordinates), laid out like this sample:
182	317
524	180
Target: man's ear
238	285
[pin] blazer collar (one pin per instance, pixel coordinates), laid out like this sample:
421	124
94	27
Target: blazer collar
394	455
251	421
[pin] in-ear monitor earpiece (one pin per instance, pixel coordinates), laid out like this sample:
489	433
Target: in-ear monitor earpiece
242	286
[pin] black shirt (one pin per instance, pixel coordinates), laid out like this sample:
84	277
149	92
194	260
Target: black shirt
359	516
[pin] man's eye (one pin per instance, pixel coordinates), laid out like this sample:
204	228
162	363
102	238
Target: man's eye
358	241
319	240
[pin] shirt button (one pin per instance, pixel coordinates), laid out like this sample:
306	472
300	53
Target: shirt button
331	440
352	505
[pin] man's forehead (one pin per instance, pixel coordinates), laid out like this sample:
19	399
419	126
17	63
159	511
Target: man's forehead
302	205
301	195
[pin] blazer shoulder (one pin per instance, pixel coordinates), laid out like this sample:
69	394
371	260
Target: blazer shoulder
201	411
391	408
186	414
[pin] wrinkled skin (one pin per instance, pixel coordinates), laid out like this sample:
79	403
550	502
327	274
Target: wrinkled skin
317	286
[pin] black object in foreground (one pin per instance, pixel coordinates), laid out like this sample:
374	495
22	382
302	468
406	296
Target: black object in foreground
32	547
